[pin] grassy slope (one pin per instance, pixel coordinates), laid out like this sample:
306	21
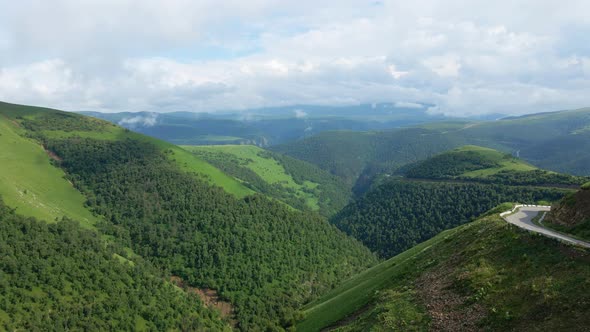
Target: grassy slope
267	168
108	131
506	164
31	184
521	280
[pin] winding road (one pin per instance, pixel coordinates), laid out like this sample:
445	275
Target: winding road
522	217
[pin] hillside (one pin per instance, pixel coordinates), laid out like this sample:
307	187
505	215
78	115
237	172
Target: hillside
191	221
297	183
475	163
483	275
60	277
572	214
398	214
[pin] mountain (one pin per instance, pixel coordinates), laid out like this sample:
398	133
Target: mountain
269	126
484	275
181	215
301	185
444	191
556	141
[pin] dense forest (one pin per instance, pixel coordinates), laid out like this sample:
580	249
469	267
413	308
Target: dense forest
263	257
398	214
59	277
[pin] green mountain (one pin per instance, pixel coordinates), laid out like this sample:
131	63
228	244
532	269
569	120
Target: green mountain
445	191
556	141
485	275
186	217
302	185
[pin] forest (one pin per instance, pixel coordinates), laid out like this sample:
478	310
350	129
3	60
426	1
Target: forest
263	257
59	277
398	214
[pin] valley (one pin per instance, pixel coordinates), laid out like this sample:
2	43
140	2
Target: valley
397	229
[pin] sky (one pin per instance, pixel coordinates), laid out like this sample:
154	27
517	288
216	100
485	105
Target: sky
466	57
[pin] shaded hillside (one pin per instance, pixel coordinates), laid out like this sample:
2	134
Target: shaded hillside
572	214
398	214
163	202
485	275
295	182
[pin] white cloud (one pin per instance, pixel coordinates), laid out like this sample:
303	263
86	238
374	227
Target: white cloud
465	57
149	120
407	104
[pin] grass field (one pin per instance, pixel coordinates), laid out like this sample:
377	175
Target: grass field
507	275
31	184
266	167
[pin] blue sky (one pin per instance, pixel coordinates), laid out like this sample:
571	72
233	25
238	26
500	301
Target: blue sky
465	57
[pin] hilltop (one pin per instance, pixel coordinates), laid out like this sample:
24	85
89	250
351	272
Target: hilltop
485	274
475	163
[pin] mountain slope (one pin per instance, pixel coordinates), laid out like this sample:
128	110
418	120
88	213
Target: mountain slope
483	275
297	183
28	181
261	256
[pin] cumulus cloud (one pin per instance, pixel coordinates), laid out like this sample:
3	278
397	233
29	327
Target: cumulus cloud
464	57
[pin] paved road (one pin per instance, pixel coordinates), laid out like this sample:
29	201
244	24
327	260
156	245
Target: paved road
523	219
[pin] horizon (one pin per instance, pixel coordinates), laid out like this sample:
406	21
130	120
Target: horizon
461	57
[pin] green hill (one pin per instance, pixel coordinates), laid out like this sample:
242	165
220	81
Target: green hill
190	220
483	275
297	183
41	122
475	163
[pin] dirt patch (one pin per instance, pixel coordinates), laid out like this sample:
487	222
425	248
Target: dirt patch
53	155
449	310
210	298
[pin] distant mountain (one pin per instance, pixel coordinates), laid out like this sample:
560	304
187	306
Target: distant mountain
557	141
269	126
